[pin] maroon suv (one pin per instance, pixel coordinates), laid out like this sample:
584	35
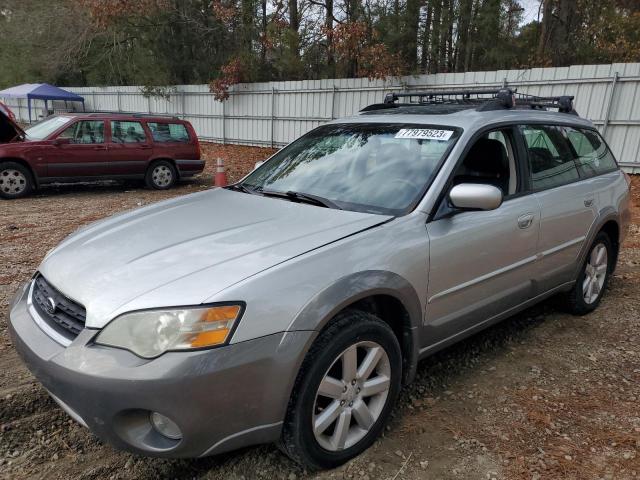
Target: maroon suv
96	146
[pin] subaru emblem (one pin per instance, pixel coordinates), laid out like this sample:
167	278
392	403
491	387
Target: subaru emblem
50	306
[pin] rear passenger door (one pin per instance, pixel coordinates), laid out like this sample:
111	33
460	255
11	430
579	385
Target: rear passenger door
130	148
567	202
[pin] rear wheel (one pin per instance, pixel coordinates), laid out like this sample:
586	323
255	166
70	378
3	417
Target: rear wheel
161	175
344	393
593	278
15	180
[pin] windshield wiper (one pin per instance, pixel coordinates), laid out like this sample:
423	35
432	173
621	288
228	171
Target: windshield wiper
241	188
302	197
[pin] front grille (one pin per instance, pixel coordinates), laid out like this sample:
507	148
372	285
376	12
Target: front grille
67	318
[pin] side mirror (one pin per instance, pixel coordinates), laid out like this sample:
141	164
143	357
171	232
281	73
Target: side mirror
62	141
258	164
475	196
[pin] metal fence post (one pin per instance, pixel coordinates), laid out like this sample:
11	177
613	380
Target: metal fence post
149	104
607	114
333	102
183	106
224	141
273	114
118	98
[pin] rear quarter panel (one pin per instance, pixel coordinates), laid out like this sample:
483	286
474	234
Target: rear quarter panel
612	194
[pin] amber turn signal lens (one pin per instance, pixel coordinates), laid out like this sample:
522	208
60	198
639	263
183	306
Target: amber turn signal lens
206	339
217	314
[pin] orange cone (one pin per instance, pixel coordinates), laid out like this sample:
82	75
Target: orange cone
220	179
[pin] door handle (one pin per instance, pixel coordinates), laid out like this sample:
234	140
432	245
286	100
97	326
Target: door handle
588	202
100	148
526	220
145	147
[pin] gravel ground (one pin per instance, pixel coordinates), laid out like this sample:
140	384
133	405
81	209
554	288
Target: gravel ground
543	395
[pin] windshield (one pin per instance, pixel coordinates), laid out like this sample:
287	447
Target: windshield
41	130
377	168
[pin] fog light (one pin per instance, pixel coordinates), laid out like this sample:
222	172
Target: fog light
165	426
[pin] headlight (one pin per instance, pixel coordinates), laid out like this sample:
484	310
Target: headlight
150	333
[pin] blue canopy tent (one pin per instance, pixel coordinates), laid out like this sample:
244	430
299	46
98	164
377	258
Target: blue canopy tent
40	91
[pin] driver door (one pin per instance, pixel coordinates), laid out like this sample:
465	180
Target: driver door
482	263
84	155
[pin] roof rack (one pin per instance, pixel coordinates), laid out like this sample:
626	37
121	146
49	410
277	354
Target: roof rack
131	114
482	99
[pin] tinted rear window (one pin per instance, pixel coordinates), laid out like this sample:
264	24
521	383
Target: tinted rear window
168	132
592	154
551	160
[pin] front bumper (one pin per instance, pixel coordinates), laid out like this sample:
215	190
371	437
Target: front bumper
221	399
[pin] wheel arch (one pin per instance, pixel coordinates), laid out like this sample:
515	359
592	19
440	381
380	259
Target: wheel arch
384	294
166	159
609	222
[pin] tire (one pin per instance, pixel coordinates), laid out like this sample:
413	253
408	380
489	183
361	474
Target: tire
594	274
161	175
16	180
326	448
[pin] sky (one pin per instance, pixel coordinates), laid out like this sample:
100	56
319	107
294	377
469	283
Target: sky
530	10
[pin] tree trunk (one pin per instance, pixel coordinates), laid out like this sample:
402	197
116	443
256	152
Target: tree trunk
426	37
471	44
545	28
450	51
444	29
464	23
434	64
412	22
328	25
294	26
263	48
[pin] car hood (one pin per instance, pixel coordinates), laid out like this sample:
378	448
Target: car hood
9	130
183	251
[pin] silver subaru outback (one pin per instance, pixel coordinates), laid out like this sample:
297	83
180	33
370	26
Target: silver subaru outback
292	306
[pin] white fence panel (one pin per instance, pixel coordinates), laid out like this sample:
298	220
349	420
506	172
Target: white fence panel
275	113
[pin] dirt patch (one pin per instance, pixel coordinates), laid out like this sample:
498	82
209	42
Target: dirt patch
542	395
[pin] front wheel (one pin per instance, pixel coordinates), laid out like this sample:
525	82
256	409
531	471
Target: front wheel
15	180
344	393
593	277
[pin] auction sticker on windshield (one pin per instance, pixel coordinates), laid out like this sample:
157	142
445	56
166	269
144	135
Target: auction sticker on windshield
424	134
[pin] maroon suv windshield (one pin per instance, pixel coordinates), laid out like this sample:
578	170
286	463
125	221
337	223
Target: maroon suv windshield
44	128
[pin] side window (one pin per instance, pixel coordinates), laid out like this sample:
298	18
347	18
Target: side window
551	160
127	132
85	132
490	160
593	156
168	132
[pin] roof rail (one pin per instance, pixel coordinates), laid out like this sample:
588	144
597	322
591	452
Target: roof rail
131	114
483	99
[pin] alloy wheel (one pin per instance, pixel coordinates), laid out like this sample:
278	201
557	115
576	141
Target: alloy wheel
351	396
595	273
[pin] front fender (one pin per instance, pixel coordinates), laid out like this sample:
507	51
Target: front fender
349	289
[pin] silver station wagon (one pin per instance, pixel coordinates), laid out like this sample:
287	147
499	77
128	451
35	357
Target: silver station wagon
292	306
